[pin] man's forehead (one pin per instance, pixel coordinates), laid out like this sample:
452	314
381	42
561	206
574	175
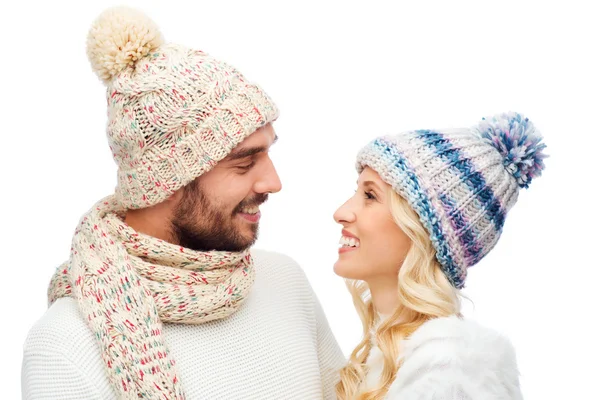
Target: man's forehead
260	140
263	136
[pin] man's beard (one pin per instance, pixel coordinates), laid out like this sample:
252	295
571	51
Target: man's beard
200	225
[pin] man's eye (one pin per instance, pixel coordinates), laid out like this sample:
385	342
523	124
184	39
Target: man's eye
246	167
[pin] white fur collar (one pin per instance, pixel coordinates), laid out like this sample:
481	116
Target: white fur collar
452	356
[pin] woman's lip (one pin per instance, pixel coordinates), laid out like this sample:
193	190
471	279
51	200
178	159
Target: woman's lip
348	234
345	249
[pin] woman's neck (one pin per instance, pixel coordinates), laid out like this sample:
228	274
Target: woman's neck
384	294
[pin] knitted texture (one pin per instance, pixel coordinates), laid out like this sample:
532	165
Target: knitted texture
127	284
173	112
461	182
277	345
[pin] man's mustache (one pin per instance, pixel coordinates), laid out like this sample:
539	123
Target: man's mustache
254	201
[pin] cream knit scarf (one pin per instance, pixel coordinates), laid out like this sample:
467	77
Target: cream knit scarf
127	284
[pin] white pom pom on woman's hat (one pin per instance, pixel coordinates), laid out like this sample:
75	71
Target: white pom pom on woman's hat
515	137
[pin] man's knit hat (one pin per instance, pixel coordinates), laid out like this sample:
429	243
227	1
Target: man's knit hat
173	112
461	182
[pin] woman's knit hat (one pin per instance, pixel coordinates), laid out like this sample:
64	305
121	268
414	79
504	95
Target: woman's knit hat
173	112
461	182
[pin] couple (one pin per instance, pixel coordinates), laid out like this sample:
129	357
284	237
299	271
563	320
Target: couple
162	297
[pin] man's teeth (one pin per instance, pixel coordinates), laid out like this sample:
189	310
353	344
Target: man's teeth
348	241
250	210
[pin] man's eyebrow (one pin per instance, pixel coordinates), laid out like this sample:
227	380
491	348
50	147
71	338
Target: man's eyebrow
248	152
244	153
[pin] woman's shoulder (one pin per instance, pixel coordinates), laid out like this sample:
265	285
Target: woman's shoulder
459	358
455	335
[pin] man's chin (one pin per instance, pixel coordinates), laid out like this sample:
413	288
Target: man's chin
249	234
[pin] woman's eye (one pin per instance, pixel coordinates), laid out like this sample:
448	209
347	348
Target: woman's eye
369	196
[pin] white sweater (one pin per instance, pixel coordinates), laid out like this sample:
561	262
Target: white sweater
278	345
452	359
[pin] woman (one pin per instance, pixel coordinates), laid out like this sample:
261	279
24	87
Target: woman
429	205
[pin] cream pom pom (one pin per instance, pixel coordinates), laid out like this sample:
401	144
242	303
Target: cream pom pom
118	38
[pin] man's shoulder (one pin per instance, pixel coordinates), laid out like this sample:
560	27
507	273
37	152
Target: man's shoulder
280	273
61	359
60	330
277	263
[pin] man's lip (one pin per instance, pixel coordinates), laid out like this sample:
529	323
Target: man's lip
348	234
239	210
251	217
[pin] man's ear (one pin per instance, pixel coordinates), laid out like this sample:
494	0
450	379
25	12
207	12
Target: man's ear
175	197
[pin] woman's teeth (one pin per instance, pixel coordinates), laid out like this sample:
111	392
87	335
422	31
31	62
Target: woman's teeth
250	210
349	242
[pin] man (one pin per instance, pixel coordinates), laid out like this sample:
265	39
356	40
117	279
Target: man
161	297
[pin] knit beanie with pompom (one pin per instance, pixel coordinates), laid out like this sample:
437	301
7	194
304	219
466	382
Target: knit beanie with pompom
460	182
173	112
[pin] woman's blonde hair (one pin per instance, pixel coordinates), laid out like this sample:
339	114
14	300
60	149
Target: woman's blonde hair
424	293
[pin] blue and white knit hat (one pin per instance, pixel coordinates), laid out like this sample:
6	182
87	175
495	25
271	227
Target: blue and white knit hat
461	182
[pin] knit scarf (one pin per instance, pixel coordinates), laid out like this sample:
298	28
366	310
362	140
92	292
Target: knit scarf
127	284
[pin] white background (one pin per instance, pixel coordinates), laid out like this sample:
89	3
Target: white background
341	73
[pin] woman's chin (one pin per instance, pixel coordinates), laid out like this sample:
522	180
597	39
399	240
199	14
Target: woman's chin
345	270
